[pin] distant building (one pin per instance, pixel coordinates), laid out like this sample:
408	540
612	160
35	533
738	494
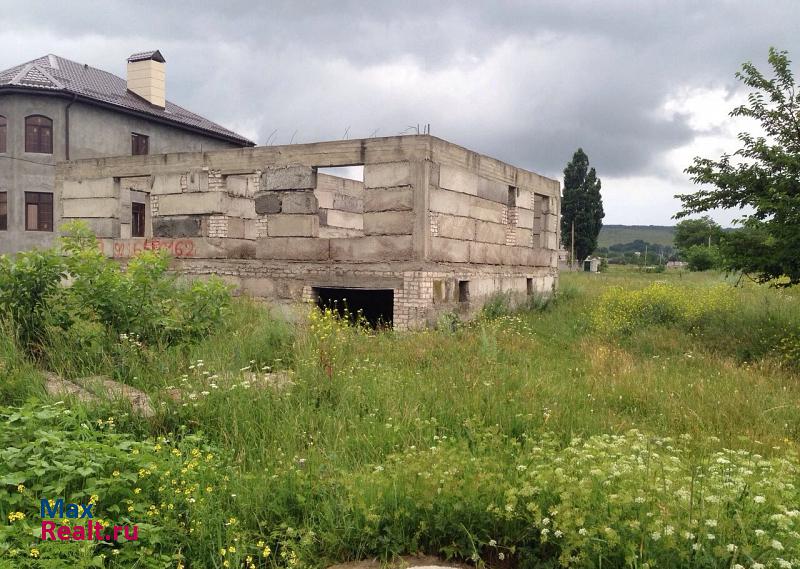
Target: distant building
53	109
591	265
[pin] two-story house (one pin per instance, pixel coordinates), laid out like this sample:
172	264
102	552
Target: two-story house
54	109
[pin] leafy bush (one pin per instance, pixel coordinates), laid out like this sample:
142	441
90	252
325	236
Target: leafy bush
82	301
174	489
622	311
702	257
27	282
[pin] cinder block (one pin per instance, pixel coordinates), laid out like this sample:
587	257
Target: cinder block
524	218
449	250
293	248
267	202
486	232
387	175
388	199
486	210
251	228
389	223
206	203
238	248
344	202
458	180
178	226
493	191
299	202
372	248
551	223
235	228
525	198
98	188
166	184
290	178
456	227
105	228
91	207
486	253
197	181
344	219
239	186
284	225
524	237
453	203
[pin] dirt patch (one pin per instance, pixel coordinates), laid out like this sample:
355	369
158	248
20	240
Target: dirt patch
407	561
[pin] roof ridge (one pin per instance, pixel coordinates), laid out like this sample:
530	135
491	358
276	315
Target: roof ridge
53	73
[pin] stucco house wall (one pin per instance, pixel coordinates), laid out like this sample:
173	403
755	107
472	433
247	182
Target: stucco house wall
94	132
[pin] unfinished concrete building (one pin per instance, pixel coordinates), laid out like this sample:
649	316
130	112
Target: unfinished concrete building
432	227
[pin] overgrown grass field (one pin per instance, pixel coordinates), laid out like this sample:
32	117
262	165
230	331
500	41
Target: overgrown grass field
638	420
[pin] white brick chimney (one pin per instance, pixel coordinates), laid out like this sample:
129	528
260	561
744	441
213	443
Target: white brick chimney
147	77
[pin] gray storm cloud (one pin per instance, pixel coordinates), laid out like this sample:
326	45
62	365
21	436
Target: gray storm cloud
528	82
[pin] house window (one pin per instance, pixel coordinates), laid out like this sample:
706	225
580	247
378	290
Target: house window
3	211
38	134
137	219
38	211
3	135
140	144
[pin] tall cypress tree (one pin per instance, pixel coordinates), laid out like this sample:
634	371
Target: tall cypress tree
581	204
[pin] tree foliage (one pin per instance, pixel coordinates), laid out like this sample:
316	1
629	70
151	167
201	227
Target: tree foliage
582	205
702	257
763	175
691	232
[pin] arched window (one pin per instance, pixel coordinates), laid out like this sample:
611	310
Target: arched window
38	134
3	133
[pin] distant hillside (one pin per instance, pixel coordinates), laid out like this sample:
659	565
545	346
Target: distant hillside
655	234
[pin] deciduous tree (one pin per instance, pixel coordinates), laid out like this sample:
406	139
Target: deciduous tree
763	175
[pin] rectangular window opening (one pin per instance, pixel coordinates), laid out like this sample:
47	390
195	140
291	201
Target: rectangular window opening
355	172
529	286
140	144
137	219
3	211
376	306
463	291
38	211
512	196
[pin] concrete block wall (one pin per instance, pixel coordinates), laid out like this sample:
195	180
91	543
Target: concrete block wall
341	206
427	215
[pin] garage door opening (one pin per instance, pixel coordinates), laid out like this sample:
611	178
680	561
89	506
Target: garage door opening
375	305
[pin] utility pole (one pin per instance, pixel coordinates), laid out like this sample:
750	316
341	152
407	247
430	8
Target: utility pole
572	246
645	254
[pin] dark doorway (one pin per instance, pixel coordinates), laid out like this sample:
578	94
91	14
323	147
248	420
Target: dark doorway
376	306
137	219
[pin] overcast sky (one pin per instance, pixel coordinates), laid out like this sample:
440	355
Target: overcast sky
642	86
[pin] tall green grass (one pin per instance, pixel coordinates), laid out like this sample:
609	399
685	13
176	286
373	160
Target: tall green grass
379	444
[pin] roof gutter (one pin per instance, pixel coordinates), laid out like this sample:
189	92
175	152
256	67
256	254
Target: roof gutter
116	108
66	125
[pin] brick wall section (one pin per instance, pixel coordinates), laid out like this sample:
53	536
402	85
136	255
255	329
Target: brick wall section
218	226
